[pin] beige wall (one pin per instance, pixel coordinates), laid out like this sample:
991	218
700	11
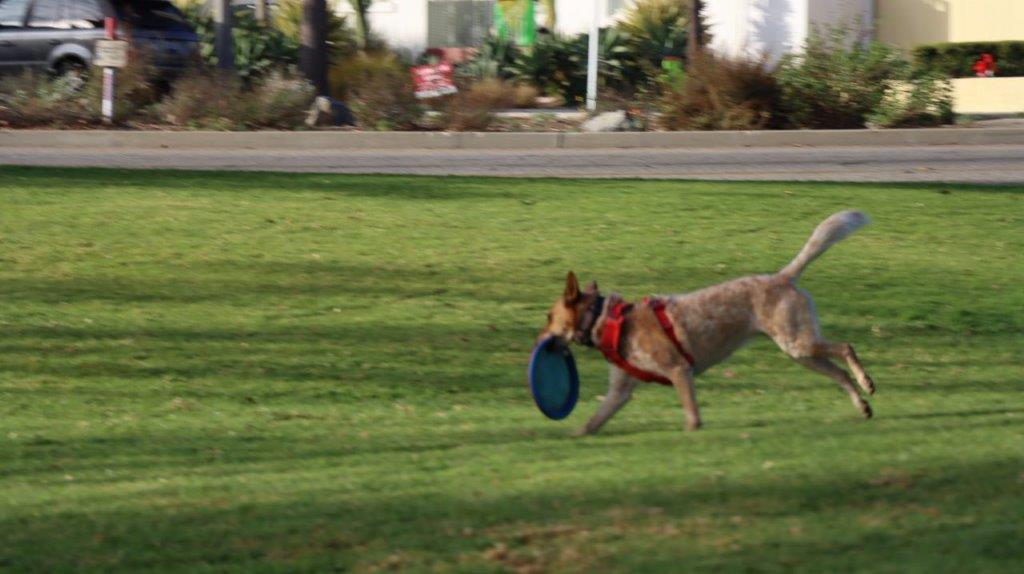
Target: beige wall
988	95
908	23
986	20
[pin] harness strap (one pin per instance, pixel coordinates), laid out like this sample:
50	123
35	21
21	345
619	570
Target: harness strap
666	325
612	333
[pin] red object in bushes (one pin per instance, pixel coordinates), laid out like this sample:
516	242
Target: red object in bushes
453	54
985	66
433	80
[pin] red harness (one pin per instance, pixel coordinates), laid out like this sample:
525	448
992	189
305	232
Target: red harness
612	332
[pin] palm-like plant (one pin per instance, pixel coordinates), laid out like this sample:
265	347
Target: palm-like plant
555	64
543	65
255	49
619	68
287	19
657	28
494	59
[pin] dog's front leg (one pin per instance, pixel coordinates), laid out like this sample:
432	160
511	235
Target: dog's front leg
620	390
682	380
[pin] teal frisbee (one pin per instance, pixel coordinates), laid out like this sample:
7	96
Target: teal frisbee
554	382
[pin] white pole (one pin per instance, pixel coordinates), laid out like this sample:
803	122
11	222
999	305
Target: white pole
108	96
595	30
107	107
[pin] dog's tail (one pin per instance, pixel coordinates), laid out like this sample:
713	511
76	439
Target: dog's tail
828	233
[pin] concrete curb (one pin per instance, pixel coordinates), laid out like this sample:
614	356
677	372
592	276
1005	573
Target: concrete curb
356	141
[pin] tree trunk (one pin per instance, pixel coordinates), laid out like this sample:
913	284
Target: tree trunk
361	7
696	40
261	11
313	49
224	45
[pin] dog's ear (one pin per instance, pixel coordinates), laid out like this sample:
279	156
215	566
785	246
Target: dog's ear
591	288
572	288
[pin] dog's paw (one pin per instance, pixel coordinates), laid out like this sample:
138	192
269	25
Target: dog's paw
582	431
693	425
869	385
865	409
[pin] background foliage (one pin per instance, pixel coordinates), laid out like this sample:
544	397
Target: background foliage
841	83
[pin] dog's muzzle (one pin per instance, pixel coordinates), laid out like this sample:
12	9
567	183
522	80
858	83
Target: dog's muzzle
584	333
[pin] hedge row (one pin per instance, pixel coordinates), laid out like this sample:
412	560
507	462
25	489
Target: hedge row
955	59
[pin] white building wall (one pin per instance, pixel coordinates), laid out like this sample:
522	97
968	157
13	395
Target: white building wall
756	28
857	14
774	28
401	23
729	23
574	16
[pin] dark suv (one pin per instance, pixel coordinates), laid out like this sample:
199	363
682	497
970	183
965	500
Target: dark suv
59	35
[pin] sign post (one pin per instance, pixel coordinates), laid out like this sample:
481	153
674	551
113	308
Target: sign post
592	63
110	54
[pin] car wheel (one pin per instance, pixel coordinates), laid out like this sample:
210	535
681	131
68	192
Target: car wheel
72	73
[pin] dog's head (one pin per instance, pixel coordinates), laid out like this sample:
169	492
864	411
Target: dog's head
567	313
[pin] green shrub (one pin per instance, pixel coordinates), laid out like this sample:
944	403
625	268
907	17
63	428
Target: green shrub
500	94
287	19
839	83
379	89
258	48
495	58
214	100
721	94
619	66
557	65
42	100
472	108
926	100
524	96
656	28
280	101
137	87
956	60
542	66
38	100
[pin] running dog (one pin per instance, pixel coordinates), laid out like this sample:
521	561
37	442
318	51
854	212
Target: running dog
674	338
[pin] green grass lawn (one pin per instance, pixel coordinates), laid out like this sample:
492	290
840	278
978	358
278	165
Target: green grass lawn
278	372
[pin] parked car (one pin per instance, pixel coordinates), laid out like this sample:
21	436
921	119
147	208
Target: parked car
59	35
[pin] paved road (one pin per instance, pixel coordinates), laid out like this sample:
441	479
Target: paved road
965	164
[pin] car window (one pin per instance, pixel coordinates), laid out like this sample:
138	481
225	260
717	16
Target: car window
152	15
12	13
48	14
85	14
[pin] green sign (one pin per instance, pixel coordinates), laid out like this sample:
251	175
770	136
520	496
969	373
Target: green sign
515	19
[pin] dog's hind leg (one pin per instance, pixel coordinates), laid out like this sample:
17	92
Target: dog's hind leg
845	351
793	325
827	367
620	390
